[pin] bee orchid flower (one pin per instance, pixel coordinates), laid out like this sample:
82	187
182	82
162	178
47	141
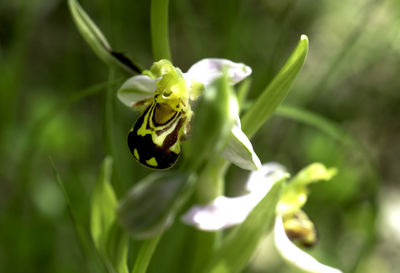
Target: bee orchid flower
291	223
163	95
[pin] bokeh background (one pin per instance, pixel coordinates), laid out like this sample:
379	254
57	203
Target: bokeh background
53	104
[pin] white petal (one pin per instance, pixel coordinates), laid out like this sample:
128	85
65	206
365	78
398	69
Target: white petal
239	150
294	255
225	212
263	179
207	70
222	213
135	89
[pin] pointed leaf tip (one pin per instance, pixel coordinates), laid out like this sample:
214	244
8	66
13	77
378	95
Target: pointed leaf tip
97	41
276	91
104	203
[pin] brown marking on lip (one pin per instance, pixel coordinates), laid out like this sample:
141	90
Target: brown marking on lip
172	138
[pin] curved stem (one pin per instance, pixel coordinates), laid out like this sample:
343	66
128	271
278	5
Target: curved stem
159	29
145	253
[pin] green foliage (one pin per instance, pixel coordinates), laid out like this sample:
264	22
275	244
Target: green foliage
276	91
159	29
295	192
111	242
343	113
104	205
214	117
97	41
239	245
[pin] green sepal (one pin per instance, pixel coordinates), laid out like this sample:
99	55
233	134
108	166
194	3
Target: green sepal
213	121
295	192
150	206
239	150
98	42
276	91
239	245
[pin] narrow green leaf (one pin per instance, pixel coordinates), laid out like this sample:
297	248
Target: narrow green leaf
87	248
312	119
145	253
117	249
111	242
239	245
97	41
103	207
276	91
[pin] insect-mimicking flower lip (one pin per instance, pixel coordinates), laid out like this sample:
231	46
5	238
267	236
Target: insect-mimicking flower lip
172	108
164	93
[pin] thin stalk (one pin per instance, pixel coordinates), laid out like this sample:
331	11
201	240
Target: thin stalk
108	115
87	248
145	253
211	182
209	187
109	144
159	29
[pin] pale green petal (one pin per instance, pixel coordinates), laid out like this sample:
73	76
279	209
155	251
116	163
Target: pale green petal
239	150
294	255
207	70
136	89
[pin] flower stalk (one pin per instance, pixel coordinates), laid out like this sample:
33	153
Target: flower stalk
159	29
145	253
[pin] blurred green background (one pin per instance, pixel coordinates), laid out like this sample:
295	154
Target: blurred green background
350	85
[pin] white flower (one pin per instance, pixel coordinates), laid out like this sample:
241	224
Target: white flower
225	212
137	91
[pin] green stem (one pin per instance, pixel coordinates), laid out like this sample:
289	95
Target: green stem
209	187
145	253
159	29
211	180
109	131
108	115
